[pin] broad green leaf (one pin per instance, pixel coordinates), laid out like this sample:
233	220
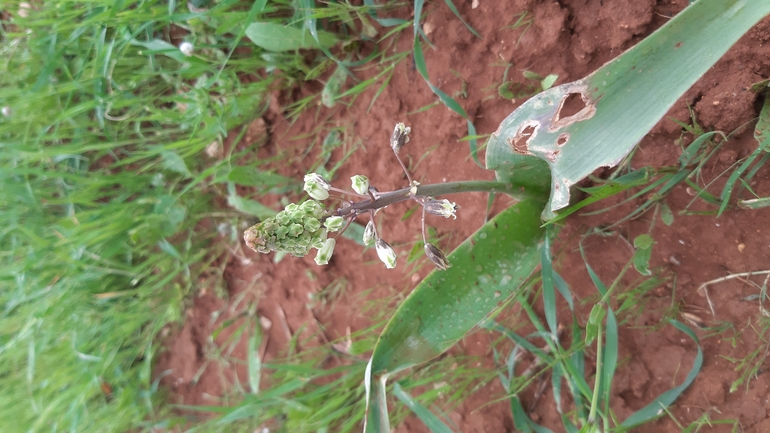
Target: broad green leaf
486	269
277	37
655	409
622	100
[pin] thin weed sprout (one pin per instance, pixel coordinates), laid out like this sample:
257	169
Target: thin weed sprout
305	226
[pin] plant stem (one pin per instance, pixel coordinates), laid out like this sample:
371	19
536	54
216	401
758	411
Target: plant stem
433	190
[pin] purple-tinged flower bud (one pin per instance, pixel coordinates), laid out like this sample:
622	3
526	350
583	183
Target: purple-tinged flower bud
316	186
386	253
437	257
400	136
325	252
444	208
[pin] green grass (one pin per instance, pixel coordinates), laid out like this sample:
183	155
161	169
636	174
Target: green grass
105	186
103	191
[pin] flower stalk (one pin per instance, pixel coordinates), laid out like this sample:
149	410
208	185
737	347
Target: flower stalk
301	227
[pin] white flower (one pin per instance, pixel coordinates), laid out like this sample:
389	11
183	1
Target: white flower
360	184
386	254
325	252
6	111
316	186
369	233
334	223
186	48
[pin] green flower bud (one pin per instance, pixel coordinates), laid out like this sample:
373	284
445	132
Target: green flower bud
369	234
360	184
316	186
325	252
386	253
283	218
281	232
319	238
444	208
295	230
312	208
311	224
291	208
334	223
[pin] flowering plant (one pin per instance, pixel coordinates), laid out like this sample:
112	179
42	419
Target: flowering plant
299	228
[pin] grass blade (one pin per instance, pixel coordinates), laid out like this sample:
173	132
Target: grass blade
419	60
522	421
457	14
430	420
546	272
655	409
254	361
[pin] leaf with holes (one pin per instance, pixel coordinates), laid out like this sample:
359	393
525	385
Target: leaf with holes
578	127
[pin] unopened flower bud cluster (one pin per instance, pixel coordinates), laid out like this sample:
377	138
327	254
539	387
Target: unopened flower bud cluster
295	230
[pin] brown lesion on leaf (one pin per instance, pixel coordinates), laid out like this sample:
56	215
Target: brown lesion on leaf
520	142
562	139
574	107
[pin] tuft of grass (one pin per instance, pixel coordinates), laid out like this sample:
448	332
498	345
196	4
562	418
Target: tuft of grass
103	190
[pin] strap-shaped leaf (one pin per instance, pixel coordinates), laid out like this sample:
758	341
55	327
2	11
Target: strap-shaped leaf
486	269
621	101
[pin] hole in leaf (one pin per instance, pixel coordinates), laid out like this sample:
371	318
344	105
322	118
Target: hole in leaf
572	105
562	140
520	140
